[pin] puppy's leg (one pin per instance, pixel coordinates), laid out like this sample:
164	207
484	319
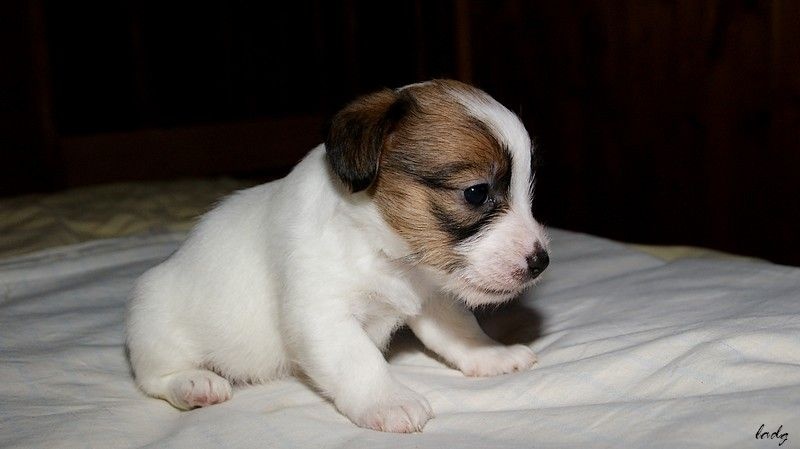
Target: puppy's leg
338	356
451	331
164	368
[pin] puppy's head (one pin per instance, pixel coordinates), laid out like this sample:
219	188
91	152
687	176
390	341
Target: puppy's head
449	168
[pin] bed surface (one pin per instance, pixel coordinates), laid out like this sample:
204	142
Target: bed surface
35	222
634	352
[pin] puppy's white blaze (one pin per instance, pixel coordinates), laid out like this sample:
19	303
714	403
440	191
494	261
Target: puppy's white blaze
420	84
509	130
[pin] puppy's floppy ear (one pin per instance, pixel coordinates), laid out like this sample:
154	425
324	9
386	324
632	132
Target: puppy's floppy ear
358	133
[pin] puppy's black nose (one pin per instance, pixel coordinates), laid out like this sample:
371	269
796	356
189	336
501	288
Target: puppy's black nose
537	262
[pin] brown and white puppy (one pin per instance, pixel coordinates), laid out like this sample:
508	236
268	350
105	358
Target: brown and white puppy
417	206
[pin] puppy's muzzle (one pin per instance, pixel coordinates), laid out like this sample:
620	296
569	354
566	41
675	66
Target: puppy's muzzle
537	262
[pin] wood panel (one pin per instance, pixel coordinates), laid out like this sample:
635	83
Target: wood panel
257	148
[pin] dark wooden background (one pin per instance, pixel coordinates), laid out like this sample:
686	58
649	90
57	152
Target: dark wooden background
656	121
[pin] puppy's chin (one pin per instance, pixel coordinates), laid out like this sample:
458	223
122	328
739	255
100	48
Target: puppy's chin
476	295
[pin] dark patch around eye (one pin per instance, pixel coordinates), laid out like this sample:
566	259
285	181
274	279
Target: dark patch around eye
463	229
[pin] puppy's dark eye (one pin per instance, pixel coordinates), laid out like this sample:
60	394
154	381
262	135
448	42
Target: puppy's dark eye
476	195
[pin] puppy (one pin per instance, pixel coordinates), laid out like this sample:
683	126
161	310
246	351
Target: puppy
416	207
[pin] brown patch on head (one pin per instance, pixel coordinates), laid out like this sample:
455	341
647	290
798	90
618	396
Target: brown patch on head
432	154
417	150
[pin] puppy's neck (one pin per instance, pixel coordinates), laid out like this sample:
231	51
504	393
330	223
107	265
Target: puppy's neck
364	217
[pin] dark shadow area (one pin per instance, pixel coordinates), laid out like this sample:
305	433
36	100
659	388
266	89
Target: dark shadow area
510	323
655	122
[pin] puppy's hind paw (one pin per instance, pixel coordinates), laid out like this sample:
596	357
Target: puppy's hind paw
197	388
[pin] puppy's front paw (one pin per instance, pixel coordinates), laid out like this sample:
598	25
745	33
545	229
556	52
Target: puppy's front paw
399	410
496	360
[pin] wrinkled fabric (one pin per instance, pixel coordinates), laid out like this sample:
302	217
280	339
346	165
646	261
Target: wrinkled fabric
633	352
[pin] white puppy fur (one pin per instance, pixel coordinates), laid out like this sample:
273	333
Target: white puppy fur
315	271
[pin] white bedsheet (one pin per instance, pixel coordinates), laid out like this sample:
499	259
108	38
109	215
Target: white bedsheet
634	352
